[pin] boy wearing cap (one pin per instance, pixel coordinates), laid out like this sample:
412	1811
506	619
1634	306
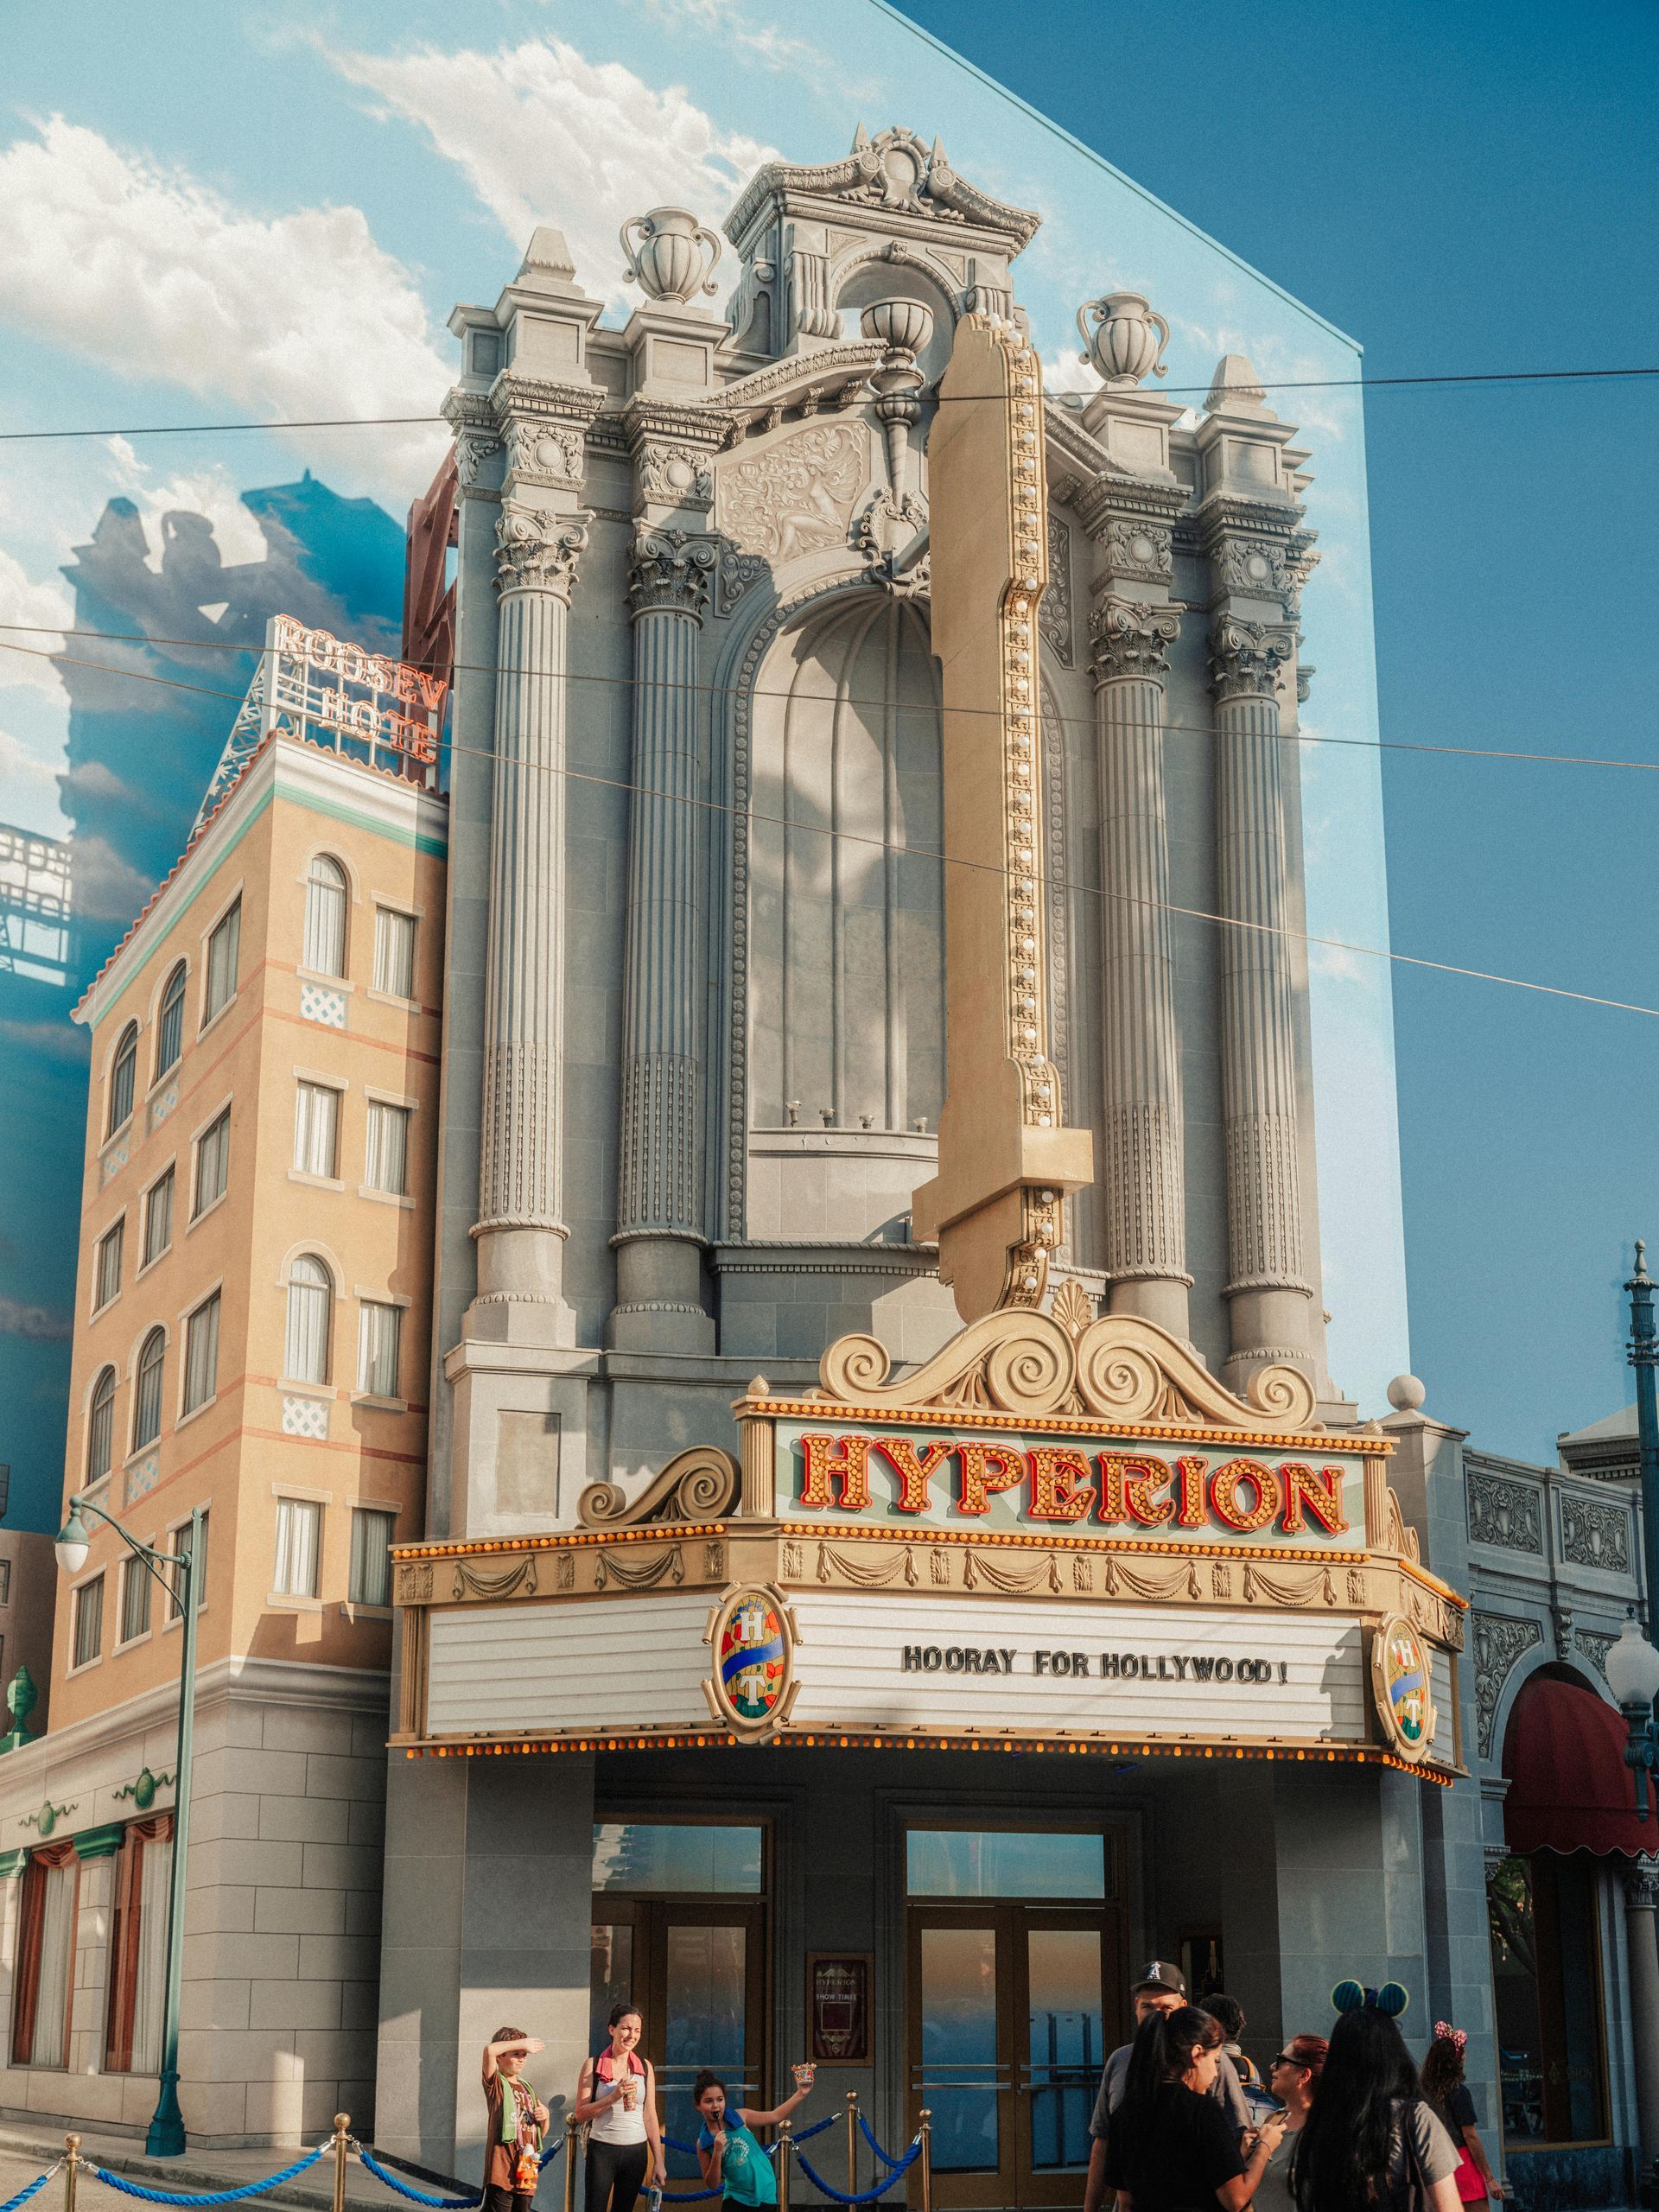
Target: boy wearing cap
1161	1988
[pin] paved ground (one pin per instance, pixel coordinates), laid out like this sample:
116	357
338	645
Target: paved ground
25	2149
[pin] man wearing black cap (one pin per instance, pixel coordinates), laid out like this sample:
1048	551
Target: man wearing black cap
1161	1988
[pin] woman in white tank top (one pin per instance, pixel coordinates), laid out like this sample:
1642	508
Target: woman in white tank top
616	2096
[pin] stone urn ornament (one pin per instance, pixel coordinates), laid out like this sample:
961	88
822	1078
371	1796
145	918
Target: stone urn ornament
897	326
1129	338
666	259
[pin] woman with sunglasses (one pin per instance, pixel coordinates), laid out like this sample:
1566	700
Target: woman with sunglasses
1292	2077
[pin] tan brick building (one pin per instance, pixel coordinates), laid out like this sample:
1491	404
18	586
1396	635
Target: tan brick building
252	1337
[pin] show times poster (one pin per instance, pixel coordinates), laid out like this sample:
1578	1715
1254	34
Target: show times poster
838	2007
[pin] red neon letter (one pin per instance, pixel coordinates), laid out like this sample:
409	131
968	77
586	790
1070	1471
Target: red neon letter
915	1471
1060	1488
1223	1494
986	1468
846	1456
1321	1494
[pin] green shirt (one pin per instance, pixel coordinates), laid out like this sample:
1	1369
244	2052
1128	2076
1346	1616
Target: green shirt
746	2174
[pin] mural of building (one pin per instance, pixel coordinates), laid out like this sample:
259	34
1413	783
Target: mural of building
251	1332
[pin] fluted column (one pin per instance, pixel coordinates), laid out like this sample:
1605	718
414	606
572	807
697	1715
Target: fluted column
1266	1287
1141	1171
659	1214
520	1229
1641	1896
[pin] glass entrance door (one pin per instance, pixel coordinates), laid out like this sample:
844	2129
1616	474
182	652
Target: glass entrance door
1012	2005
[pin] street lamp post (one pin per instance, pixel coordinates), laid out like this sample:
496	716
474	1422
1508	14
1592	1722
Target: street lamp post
166	2136
1632	1663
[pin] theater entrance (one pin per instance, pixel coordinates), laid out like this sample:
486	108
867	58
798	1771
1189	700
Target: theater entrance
1014	1995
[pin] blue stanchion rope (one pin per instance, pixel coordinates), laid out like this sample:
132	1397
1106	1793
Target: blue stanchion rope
367	2158
33	2189
210	2196
866	2196
802	2135
886	2157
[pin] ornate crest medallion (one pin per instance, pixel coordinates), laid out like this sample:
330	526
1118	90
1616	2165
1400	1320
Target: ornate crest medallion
753	1639
1400	1681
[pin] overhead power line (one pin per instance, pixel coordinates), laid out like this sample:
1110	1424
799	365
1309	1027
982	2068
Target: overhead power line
726	692
1189	390
946	860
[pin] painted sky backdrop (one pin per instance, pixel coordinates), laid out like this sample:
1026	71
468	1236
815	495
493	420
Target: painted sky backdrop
269	212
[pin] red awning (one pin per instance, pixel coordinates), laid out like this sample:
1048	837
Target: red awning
1569	1786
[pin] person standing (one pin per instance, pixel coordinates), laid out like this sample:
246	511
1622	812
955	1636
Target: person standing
732	2158
1161	1988
1291	2076
616	2095
516	2123
1230	2013
1169	2145
1369	2140
1447	2094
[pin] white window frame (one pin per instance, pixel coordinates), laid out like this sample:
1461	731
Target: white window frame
76	1596
159	1075
412	915
112	1129
311	1501
168	1174
313	1386
348	892
396	1402
213	1294
407	1107
199	1213
207	1020
88	1480
135	1449
130	1566
117	1230
366	1608
170	1545
312	1079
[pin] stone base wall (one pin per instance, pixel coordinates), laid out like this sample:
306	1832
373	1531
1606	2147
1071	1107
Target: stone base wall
281	1967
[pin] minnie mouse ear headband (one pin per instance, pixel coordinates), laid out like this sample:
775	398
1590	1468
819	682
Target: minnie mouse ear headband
1444	2032
1354	1997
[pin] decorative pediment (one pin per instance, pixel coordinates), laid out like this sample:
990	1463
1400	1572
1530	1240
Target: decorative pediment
832	376
896	173
1118	1369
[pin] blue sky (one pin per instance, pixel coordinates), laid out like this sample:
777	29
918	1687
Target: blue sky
269	212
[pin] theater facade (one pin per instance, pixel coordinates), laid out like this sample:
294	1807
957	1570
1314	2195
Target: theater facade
896	1557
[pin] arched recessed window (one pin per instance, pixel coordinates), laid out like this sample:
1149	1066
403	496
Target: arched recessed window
147	1392
324	917
169	1024
122	1070
100	1427
310	1306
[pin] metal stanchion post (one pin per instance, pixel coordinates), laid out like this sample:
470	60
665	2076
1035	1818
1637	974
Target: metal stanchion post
342	2139
927	2160
71	2170
786	2145
572	2140
852	2142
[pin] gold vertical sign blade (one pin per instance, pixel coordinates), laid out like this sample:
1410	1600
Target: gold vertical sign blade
1006	1159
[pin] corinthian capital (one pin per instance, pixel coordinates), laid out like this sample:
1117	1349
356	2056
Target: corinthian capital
1132	638
1245	658
1641	1884
669	571
538	551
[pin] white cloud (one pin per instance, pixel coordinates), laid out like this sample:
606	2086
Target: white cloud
211	491
146	271
29	785
107	887
544	135
763	42
44	606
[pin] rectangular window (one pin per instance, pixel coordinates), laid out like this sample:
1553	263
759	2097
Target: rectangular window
995	1863
677	1856
394	953
40	2019
379	1331
134	1600
212	1164
299	1548
89	1621
107	1273
180	1549
1546	1999
5	1585
316	1130
388	1157
158	1218
372	1531
143	1874
223	947
201	1354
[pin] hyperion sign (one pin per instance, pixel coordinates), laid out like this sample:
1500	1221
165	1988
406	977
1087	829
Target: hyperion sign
310	684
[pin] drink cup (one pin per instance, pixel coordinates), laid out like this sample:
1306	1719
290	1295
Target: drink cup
804	2076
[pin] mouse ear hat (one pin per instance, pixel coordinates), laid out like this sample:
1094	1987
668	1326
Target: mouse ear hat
1353	1996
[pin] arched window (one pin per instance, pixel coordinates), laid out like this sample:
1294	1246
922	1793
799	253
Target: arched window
100	1427
146	1393
326	898
169	1024
122	1070
310	1306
